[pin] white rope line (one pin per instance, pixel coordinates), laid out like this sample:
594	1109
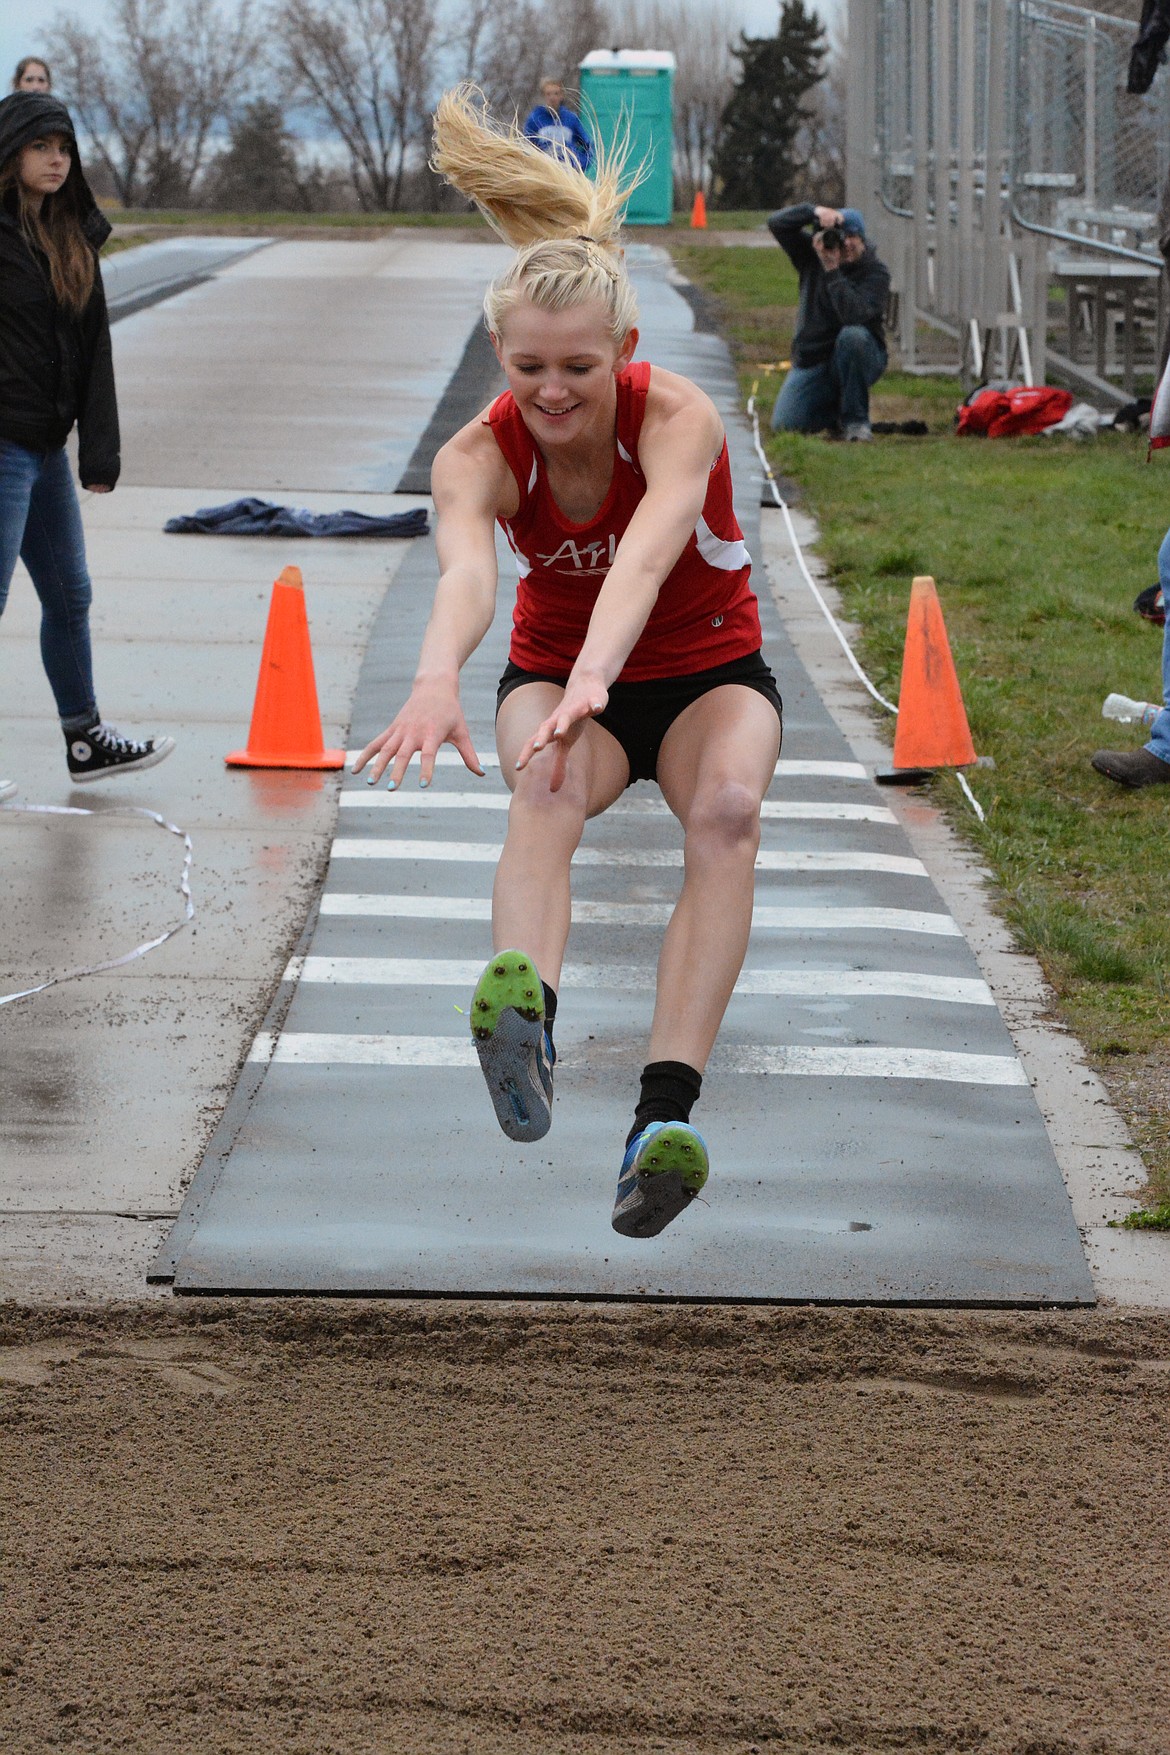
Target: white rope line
816	591
799	553
970	796
134	810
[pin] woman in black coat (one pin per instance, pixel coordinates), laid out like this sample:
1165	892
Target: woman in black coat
56	371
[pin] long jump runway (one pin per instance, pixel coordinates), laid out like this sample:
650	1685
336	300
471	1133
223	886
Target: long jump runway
873	1135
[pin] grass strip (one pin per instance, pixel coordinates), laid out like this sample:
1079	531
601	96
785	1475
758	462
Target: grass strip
1038	547
214	219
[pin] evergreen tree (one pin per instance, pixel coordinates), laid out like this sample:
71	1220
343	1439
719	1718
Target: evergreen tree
258	171
757	163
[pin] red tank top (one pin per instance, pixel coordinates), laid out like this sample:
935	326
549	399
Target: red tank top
706	612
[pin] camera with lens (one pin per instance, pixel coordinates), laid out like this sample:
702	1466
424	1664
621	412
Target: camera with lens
832	238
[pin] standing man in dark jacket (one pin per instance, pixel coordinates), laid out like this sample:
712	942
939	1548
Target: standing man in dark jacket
839	349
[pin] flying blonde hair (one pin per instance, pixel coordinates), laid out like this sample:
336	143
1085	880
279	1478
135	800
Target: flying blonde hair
565	226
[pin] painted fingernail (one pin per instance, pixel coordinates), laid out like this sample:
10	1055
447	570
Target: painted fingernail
424	783
391	785
370	781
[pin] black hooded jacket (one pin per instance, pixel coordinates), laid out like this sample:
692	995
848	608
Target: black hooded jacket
56	368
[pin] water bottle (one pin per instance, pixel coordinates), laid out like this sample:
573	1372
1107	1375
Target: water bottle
1122	708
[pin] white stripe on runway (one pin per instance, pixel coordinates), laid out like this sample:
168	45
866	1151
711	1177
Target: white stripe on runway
872	1063
353	905
773	810
815	983
308	1048
792	767
488	853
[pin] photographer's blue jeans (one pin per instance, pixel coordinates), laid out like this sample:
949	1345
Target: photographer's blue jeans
1159	744
40	522
835	394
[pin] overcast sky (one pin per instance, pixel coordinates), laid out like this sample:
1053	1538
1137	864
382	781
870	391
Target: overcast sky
759	18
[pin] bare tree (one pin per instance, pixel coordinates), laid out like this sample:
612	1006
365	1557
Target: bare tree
699	37
369	69
508	46
151	92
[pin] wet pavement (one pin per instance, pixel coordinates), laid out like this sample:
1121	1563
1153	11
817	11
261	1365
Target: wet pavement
149	273
114	1083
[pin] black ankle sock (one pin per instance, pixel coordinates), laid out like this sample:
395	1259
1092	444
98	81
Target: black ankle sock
550	1009
670	1090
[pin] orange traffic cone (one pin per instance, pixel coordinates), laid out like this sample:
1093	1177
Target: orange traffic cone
286	720
699	212
932	729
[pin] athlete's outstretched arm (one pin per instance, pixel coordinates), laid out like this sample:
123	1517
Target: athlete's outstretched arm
676	452
467	479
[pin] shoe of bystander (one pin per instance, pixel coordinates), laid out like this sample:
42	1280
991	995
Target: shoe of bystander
1132	767
101	751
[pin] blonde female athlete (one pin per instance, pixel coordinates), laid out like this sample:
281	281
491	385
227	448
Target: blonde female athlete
635	648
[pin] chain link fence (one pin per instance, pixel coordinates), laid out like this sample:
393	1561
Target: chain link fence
1017	181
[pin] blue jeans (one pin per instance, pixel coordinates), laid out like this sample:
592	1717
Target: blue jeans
1159	744
836	393
40	521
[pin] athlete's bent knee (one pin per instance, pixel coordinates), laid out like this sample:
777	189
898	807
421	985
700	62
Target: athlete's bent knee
726	818
533	799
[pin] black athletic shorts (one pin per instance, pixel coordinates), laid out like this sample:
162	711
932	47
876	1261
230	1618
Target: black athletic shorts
640	714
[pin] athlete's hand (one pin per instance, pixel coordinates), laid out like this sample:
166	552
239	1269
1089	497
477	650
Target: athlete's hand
431	717
584	698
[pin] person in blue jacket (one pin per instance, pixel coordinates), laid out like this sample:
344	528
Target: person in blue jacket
556	128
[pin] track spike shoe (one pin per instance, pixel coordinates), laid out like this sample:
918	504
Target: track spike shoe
507	1025
664	1168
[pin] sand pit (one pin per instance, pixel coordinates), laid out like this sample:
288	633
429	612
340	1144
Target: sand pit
318	1527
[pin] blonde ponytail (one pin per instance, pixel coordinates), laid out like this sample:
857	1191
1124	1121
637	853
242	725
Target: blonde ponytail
566	226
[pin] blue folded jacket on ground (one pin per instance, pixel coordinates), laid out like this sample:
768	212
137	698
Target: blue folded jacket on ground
262	518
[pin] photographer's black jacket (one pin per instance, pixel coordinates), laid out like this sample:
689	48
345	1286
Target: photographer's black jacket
855	293
56	368
1149	52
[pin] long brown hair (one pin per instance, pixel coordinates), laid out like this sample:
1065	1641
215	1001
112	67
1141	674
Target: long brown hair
56	230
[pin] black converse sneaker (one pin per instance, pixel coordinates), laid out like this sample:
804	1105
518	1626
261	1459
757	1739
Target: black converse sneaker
102	750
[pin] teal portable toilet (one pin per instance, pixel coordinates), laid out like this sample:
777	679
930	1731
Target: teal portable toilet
631	89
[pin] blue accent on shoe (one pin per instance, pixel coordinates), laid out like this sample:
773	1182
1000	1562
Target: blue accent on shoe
664	1168
515	1053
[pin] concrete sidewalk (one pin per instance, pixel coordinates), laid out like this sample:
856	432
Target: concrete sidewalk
305	370
113	1083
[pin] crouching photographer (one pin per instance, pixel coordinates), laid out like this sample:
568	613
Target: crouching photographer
839	349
